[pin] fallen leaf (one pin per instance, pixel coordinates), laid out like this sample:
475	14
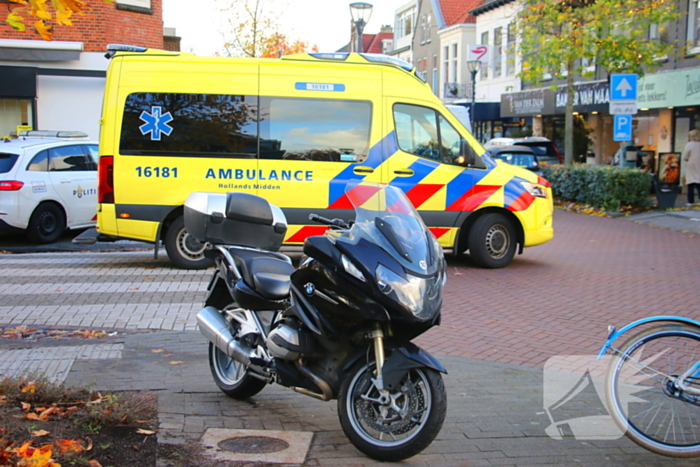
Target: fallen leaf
176	363
157	350
30	387
69	445
40	433
141	431
94	463
26	406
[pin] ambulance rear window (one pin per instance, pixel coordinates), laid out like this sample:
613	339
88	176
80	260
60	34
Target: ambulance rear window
189	125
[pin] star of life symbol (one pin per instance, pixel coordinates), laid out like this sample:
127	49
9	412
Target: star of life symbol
156	123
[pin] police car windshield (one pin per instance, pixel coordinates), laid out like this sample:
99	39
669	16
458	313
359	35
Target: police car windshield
7	161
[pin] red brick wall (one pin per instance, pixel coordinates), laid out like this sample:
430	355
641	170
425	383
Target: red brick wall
103	24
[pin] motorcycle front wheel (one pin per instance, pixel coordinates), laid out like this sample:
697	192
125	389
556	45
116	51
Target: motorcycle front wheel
398	427
231	376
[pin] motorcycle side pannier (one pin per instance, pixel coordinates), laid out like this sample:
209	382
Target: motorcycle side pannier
235	218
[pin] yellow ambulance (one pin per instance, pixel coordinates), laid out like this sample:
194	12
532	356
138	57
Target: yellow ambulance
295	131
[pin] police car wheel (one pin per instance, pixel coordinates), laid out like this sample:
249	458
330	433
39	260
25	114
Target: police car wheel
185	251
47	224
492	241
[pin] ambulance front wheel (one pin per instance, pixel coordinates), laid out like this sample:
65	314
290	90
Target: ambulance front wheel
492	241
185	251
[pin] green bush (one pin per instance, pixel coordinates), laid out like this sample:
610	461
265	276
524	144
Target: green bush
600	186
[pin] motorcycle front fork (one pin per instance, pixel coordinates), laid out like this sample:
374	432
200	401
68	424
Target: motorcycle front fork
377	337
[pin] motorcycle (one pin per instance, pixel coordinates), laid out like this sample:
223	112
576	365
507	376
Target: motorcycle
340	325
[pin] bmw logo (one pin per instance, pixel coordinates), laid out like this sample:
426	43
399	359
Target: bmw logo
310	288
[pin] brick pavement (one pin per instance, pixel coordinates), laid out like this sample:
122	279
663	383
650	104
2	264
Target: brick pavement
556	299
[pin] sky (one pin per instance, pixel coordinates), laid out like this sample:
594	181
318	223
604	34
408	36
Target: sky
325	23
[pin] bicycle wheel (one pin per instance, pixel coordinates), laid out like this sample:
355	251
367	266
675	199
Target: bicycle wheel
641	395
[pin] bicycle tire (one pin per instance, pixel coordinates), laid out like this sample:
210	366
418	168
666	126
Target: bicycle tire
638	390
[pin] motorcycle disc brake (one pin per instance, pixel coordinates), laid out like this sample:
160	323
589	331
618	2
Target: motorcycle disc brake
409	398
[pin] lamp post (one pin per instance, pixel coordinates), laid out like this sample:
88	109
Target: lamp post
473	66
360	13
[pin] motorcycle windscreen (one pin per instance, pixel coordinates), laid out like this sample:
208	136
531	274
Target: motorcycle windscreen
384	215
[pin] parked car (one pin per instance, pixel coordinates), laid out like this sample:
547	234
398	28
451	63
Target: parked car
48	182
547	152
521	156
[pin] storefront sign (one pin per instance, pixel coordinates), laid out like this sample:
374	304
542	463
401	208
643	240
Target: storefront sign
678	88
534	102
588	97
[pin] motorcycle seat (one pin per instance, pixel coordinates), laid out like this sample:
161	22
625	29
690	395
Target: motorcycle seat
265	272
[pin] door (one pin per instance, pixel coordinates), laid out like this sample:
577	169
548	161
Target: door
427	168
73	174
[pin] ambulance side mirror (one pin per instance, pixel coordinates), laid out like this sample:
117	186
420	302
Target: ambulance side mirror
468	157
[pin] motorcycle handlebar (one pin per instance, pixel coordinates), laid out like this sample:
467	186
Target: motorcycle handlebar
332	223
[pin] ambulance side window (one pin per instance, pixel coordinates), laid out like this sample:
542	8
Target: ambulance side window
189	125
423	132
329	130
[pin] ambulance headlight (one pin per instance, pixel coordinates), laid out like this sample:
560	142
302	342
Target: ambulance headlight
538	191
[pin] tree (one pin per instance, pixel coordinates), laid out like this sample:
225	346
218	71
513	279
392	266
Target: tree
277	44
561	37
44	16
253	29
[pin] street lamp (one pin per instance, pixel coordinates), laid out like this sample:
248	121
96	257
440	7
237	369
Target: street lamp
360	12
473	66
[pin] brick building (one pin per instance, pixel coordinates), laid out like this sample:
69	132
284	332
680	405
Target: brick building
58	84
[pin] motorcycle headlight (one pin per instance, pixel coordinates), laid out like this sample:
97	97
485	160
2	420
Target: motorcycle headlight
538	191
420	296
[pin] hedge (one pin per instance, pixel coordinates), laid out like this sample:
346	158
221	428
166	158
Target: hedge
600	186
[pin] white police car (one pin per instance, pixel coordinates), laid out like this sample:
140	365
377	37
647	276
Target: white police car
48	182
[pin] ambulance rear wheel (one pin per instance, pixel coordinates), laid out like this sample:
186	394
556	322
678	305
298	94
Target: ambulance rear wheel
492	241
185	251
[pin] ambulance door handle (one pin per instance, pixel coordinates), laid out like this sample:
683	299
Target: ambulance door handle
363	170
404	172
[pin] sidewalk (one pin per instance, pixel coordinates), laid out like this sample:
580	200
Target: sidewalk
499	328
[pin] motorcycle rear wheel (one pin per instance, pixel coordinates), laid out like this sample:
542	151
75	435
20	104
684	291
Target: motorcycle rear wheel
378	430
232	377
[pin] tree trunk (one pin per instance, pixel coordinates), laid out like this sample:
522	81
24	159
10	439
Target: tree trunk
569	116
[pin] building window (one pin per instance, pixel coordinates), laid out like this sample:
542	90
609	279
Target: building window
14	113
485	69
510	50
436	88
453	64
427	24
694	23
446	63
497	52
404	24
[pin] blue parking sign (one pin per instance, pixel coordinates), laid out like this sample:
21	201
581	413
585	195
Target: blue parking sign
622	127
623	87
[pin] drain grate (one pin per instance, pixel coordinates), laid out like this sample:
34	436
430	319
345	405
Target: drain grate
253	445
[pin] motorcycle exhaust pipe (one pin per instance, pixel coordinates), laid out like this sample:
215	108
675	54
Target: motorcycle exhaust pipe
213	326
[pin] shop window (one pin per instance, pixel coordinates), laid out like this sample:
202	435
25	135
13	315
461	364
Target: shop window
14	113
510	50
315	129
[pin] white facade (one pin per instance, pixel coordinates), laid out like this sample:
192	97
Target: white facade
404	27
455	79
500	75
68	91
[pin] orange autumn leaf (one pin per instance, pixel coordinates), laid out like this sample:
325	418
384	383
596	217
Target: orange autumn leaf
30	387
26	406
69	445
39	433
94	463
44	30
